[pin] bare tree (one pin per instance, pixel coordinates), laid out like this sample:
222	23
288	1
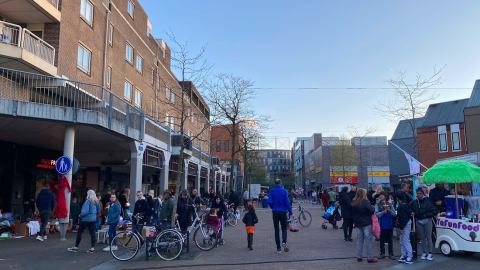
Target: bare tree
412	99
344	157
360	135
194	71
229	97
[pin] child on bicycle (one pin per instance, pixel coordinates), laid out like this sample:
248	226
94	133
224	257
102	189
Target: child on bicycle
250	219
212	219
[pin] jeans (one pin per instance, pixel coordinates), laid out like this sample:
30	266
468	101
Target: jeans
364	235
112	231
74	223
91	229
155	219
405	241
426	235
386	237
347	228
245	204
280	217
97	225
44	217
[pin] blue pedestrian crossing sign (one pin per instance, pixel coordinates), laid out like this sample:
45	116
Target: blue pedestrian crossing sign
63	165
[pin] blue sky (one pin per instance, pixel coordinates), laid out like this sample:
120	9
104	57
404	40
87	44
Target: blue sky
338	44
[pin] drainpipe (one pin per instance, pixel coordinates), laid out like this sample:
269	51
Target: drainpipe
104	81
156	81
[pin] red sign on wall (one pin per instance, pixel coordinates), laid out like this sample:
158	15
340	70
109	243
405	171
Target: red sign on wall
47	164
341	180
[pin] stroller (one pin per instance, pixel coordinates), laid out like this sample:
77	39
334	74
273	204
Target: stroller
331	216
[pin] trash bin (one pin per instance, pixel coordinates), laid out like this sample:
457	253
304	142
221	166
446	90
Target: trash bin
265	203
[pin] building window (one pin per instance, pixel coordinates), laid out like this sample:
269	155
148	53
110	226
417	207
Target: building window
166	119
151	108
153	77
456	141
173	98
172	123
131	8
149	31
86	11
442	139
168	93
83	59
129	54
193	117
109	77
219	146
139	64
110	35
227	146
138	98
128	91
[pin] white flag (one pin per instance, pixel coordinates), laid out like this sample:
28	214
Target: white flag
413	163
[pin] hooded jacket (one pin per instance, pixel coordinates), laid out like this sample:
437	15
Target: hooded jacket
45	200
423	209
250	219
345	205
403	215
221	206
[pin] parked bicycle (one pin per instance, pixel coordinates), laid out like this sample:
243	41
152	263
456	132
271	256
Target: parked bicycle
204	236
231	215
303	216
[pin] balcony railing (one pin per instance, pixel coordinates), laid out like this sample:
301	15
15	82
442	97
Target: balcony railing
14	35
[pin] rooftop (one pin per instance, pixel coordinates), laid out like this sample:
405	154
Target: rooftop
450	112
404	128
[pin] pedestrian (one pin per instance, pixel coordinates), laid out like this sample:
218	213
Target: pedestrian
347	214
212	219
45	204
219	203
314	196
166	211
123	199
74	213
234	199
89	212
439	192
113	219
362	215
441	208
143	209
278	201
332	197
424	212
353	191
385	214
151	202
373	195
184	210
250	219
99	215
157	206
404	224
406	190
246	198
325	200
291	196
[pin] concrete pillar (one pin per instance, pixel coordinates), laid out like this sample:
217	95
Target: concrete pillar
165	172
197	180
207	186
225	186
68	147
184	179
220	189
136	169
215	182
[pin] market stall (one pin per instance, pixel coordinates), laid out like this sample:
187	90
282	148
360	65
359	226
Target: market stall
456	231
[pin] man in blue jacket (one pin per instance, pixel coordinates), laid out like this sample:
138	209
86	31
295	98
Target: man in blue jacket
278	201
45	204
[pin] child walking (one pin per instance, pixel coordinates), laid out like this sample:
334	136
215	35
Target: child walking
250	219
385	213
404	224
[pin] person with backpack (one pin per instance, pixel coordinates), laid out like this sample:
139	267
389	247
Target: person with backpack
250	219
424	212
405	225
385	213
89	212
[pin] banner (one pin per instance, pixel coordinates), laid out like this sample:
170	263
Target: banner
413	164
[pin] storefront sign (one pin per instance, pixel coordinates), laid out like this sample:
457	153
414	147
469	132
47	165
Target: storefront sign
379	174
464	229
341	180
472	158
47	164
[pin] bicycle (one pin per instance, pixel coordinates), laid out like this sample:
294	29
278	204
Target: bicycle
303	216
204	235
126	245
231	215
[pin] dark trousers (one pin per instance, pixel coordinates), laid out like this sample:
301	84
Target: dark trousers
347	227
280	217
74	223
44	217
250	239
386	237
245	204
112	231
91	228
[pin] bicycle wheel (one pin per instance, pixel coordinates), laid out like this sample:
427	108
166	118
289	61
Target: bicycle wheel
305	219
124	246
232	219
169	245
205	237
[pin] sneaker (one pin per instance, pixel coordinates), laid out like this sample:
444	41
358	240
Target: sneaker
72	249
377	241
424	256
392	257
90	251
372	261
359	259
402	259
409	261
39	238
430	257
279	250
114	248
285	247
44	237
382	256
107	248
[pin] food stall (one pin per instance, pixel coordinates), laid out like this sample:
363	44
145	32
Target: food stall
456	231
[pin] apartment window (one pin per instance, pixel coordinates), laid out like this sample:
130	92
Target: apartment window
138	98
168	93
442	138
173	98
151	108
227	146
139	64
109	77
86	11
131	8
193	118
219	146
153	77
110	35
83	59
166	119
129	53
149	31
172	123
455	130
128	91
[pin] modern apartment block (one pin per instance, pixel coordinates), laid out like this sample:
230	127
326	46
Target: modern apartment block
277	163
90	73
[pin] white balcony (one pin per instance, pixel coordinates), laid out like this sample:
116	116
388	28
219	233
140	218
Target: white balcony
22	50
31	11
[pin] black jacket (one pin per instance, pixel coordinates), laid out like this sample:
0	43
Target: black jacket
441	208
150	202
184	210
408	197
424	209
250	219
45	200
123	201
438	193
234	199
196	199
142	207
221	206
352	194
403	215
363	215
345	205
371	198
